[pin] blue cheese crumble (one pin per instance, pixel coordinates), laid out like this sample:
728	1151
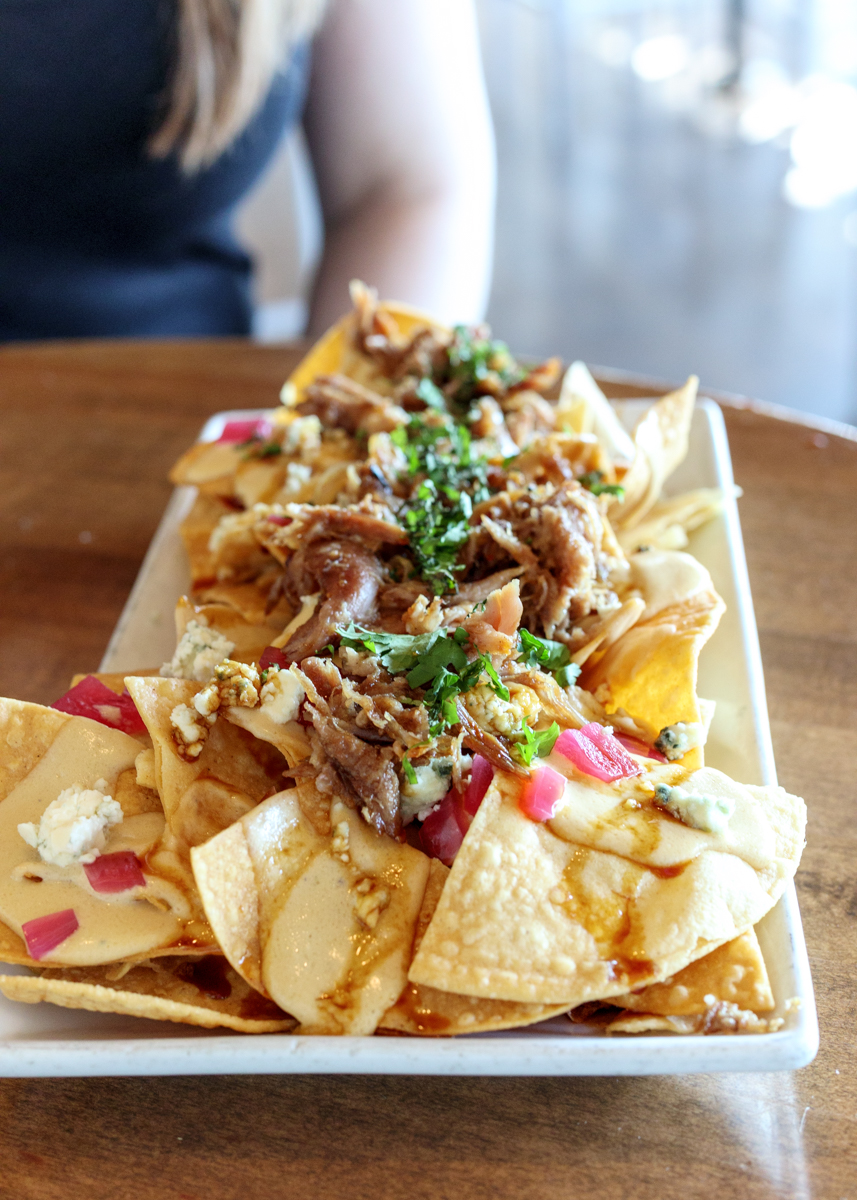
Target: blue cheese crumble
674	741
200	650
72	827
710	814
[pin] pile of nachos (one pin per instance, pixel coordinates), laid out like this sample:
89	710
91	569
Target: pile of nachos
429	757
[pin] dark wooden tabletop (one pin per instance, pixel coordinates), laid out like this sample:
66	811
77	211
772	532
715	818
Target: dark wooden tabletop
87	434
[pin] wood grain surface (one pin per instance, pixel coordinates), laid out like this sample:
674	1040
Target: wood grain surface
87	434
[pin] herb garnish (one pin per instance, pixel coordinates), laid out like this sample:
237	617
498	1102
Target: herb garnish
547	656
426	659
450	481
477	366
539	743
593	481
408	768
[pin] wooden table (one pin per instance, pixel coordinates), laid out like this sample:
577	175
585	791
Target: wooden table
87	433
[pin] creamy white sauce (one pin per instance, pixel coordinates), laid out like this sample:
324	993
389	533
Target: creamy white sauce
666	577
110	927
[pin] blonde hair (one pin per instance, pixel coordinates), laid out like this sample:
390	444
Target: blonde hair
227	53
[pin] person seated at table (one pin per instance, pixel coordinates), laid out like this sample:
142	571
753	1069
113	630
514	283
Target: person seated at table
131	129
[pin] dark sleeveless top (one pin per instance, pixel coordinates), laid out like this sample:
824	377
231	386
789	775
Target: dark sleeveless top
97	238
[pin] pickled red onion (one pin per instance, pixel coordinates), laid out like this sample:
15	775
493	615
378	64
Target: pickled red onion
43	934
596	752
115	872
541	794
243	431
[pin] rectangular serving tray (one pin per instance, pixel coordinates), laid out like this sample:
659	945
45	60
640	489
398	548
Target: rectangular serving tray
42	1039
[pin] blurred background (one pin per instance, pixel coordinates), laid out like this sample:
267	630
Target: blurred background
677	193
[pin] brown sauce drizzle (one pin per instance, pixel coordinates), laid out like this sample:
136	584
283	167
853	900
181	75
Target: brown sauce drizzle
423	1018
669	872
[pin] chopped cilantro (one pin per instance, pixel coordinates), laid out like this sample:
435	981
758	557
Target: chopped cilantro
593	481
476	366
536	743
408	768
449	481
431	395
567	675
426	659
547	656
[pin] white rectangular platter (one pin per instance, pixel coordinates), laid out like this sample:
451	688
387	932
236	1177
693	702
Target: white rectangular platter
44	1040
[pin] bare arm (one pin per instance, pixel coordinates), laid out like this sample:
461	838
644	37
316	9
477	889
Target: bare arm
401	140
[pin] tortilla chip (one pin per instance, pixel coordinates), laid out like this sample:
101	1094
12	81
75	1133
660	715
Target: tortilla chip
196	530
426	1012
192	991
27	732
334	352
233	773
604	898
661	444
290	739
583	408
735	972
720	1018
336	913
249	600
248	769
210	466
651	671
224	874
80	752
670	520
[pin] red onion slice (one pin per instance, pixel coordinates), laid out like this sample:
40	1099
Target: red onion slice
115	872
44	934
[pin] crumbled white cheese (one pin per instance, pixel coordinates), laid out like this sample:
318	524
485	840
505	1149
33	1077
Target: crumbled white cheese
503	716
302	435
674	741
71	829
200	650
370	901
340	841
297	474
433	781
708	813
191	730
282	695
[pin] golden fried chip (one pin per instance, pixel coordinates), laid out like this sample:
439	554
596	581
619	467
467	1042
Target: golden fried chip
670	520
603	898
210	466
425	1011
722	1017
583	408
661	444
27	732
192	991
336	913
735	972
651	671
247	769
290	739
81	753
334	352
196	530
